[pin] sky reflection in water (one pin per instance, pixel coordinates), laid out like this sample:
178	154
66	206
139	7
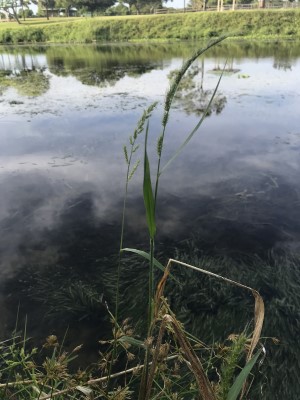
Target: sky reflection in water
236	186
70	139
234	189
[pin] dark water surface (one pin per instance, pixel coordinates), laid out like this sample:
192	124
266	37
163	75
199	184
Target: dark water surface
230	202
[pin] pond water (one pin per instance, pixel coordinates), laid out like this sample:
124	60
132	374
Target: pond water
230	202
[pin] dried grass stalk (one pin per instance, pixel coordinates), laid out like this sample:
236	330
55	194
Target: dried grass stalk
259	309
205	389
196	367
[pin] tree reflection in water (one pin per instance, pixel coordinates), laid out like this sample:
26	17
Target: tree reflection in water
28	82
191	95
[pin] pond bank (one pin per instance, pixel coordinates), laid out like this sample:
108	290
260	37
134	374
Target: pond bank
275	24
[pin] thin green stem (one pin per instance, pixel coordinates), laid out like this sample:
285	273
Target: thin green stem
117	300
129	173
158	169
121	244
151	286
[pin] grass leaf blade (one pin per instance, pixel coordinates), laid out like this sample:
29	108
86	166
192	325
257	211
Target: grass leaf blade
131	340
146	256
148	193
241	378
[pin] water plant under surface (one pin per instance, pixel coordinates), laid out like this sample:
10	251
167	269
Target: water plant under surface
28	82
161	361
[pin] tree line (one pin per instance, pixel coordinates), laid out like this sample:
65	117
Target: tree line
21	8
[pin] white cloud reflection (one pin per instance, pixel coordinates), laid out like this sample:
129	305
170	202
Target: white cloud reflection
69	141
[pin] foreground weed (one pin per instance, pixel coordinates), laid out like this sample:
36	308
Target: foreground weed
232	358
167	321
132	165
150	192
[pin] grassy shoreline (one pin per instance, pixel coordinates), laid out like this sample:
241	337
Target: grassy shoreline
262	24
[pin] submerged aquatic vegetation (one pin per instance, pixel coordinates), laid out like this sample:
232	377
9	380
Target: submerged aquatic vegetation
62	294
27	82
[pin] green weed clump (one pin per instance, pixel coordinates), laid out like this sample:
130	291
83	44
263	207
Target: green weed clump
50	372
31	83
190	26
161	360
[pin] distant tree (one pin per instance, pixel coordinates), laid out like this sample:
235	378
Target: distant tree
197	4
94	5
119	9
44	6
90	5
262	3
65	4
14	5
11	6
25	11
212	3
141	6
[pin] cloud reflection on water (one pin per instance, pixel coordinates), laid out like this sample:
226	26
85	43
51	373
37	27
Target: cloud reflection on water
73	137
